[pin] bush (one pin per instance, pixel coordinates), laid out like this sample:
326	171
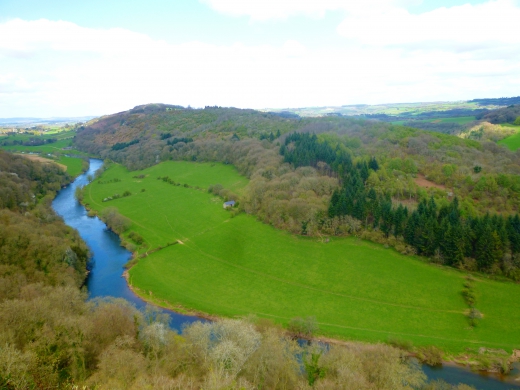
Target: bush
431	355
303	327
115	221
136	237
405	345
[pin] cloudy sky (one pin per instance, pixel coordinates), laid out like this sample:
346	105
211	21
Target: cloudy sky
68	58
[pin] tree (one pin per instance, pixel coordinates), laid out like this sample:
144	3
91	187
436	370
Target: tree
373	164
488	248
452	245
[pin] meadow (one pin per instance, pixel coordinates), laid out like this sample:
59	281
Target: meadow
512	142
232	265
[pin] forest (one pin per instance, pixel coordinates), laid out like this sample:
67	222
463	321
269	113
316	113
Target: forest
487	243
507	114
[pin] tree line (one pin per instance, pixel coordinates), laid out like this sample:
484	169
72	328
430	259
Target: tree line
489	243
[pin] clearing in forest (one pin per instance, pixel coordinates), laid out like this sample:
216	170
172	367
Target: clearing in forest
240	266
422	181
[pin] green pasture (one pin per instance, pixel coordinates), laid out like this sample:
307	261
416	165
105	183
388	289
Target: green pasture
238	266
512	142
74	165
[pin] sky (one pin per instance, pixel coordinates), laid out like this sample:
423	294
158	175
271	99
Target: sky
66	58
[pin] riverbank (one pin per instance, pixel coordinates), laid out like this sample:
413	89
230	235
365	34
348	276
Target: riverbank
469	363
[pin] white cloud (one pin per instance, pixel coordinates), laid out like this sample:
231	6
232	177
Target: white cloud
460	28
280	9
53	68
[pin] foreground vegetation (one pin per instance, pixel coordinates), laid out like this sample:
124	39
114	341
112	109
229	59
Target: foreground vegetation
107	344
355	289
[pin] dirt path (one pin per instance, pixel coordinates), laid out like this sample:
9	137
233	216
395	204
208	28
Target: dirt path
421	181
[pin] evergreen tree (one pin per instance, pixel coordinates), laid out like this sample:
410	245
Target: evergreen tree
373	164
487	248
452	245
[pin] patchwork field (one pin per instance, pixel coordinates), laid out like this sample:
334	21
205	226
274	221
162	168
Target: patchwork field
54	151
238	266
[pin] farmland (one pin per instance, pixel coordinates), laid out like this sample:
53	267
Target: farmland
55	145
234	265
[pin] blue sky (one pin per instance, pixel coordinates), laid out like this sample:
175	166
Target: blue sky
61	58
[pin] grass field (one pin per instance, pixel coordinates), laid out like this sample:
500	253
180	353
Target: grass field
74	165
239	266
513	141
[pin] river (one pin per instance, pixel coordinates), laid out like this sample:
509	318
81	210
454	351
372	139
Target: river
109	258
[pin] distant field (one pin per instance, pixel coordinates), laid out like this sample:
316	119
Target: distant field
460	120
388	109
513	141
53	151
239	266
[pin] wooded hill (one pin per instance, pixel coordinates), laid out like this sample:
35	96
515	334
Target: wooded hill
292	185
502	115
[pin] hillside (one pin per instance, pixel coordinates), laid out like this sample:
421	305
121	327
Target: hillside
503	115
340	176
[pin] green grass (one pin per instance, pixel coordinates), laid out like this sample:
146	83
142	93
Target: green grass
239	266
512	142
74	165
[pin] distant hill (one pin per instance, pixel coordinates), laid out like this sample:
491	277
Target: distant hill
497	102
502	115
29	121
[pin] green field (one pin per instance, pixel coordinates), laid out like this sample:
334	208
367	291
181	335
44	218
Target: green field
74	165
239	266
513	141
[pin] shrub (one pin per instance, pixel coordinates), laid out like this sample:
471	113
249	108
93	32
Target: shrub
303	327
405	345
114	220
431	355
136	237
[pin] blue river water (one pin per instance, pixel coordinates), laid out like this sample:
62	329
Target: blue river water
109	258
